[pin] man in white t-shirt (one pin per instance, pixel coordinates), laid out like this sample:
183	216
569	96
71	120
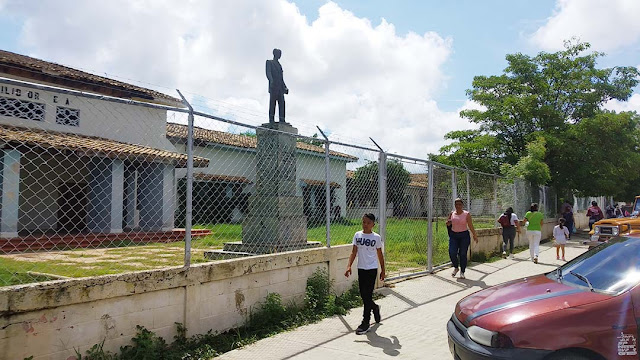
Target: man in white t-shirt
367	245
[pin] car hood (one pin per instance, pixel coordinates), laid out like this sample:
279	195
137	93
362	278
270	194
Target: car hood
520	299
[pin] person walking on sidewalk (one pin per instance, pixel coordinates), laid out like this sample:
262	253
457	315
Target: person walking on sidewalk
534	230
459	239
367	245
594	213
560	234
569	220
510	225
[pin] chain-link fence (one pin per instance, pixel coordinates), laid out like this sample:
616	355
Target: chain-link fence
96	185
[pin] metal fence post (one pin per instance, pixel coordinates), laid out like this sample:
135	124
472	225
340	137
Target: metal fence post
327	188
430	219
382	196
515	196
495	195
468	193
189	205
454	187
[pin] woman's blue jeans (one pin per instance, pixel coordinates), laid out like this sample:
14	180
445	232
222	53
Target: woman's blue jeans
458	246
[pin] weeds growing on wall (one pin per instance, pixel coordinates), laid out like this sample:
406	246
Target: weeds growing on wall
267	319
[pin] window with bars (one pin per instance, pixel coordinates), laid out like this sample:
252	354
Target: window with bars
67	116
21	109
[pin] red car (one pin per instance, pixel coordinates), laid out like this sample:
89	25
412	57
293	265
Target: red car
589	308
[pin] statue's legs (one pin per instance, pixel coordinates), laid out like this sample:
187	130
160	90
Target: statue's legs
273	98
272	106
281	107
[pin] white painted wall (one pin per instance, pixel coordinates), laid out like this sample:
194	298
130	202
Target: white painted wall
52	320
312	167
121	122
416	208
242	162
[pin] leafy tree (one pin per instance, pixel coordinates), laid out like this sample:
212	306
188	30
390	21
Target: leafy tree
363	188
472	150
601	156
547	95
531	167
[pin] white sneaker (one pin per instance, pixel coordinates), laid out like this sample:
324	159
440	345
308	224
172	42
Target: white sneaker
462	276
504	254
455	271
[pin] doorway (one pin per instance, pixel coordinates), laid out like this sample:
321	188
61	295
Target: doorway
72	207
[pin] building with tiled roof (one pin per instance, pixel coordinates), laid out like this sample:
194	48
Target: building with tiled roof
233	156
82	153
22	67
179	131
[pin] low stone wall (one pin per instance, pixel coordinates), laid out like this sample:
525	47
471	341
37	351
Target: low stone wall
48	320
490	240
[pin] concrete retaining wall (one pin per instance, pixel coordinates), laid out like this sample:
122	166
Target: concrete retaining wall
214	296
490	240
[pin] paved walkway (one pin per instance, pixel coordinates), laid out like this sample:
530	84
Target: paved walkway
414	316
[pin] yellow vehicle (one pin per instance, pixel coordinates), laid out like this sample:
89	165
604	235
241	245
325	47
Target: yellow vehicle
607	228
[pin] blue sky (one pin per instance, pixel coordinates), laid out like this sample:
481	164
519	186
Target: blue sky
483	32
337	64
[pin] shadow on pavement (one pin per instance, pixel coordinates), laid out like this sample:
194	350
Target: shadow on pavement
389	346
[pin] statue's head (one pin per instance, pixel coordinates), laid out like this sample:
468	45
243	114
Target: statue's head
277	53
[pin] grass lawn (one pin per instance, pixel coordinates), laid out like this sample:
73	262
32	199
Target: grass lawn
406	247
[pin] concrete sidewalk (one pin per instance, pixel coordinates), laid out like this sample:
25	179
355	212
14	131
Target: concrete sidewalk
414	316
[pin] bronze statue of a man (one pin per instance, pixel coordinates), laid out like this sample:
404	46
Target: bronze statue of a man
277	87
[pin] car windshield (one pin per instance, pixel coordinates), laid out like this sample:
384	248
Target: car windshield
610	268
636	208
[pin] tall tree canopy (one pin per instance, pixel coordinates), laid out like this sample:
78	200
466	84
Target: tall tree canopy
364	185
551	96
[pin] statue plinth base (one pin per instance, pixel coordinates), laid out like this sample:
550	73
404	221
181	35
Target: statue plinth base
275	221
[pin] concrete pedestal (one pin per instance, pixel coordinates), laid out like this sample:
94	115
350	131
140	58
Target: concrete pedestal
275	221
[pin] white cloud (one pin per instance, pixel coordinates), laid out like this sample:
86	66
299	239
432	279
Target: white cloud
607	25
345	74
633	104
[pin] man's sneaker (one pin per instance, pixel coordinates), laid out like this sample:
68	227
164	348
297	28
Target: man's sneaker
504	254
462	276
362	329
535	260
454	272
376	313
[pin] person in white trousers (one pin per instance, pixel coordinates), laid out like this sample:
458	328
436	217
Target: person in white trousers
534	219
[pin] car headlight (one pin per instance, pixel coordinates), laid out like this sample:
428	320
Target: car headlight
596	230
489	338
615	231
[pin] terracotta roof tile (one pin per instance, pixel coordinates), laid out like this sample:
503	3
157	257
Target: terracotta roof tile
351	174
221	178
418	180
42	71
244	141
311	182
91	146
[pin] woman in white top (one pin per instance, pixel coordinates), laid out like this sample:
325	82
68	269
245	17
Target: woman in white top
560	233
